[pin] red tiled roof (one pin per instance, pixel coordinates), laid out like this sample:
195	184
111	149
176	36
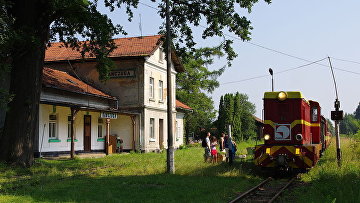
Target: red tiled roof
181	105
258	119
131	46
62	80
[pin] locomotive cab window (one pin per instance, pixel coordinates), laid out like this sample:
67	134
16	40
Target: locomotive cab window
314	114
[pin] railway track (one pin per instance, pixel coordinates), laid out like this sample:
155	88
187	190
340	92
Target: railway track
266	191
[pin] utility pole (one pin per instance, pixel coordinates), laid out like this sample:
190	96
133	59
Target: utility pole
272	79
336	116
170	151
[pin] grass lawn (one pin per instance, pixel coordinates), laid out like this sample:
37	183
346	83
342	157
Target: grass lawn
128	178
327	182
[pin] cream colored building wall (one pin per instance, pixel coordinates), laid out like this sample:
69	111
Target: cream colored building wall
179	129
62	114
123	128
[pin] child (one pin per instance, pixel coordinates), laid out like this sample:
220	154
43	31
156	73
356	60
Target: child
213	149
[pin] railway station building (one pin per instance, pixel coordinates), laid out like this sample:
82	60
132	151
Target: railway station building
131	105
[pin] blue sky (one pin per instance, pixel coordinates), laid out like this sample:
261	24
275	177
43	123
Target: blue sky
310	30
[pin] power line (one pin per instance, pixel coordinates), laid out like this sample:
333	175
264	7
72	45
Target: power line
345	60
262	76
274	50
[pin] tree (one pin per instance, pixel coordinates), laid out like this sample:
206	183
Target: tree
357	112
194	83
220	121
33	23
238	112
237	128
349	125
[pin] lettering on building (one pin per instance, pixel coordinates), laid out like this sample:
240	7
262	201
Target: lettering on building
108	115
122	73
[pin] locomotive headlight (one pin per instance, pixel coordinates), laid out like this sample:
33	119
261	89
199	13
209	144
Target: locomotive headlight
297	151
267	151
266	137
298	137
282	96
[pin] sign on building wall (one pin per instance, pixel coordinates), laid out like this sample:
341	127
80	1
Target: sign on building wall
108	115
128	73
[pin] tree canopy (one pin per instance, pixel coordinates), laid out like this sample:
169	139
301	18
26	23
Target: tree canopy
357	112
27	26
237	111
194	85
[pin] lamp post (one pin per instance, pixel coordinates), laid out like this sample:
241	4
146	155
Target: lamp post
272	79
336	116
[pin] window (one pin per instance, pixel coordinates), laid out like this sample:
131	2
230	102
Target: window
100	128
314	114
177	128
161	55
161	90
151	85
152	129
69	127
52	127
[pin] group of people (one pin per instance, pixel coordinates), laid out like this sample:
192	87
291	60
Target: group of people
226	144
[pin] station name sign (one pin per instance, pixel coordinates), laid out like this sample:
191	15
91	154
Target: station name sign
108	115
129	73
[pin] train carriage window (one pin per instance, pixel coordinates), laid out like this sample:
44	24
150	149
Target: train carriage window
314	114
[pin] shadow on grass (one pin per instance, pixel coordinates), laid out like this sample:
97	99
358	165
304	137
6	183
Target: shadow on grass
149	188
209	186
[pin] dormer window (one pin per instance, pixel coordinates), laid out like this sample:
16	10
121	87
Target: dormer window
161	55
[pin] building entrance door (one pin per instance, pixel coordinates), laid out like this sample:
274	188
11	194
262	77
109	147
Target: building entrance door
87	133
161	133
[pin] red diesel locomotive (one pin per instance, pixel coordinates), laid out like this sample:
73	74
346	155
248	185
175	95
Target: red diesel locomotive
295	133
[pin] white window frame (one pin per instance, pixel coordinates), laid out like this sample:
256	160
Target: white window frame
177	127
151	88
152	130
53	127
161	55
161	90
101	133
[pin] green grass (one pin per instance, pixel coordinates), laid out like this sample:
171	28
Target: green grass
329	183
127	178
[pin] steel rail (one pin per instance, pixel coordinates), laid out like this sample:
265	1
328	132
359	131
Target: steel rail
250	190
282	190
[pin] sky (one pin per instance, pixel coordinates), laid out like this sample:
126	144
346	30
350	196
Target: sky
287	35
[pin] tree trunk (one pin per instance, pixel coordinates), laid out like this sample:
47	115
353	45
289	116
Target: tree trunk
32	28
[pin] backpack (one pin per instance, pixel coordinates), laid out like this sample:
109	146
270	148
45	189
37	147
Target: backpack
203	143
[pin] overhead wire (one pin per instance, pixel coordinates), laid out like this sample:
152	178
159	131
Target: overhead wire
279	72
274	50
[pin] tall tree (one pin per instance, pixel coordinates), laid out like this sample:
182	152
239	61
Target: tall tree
357	112
237	128
239	111
220	121
247	118
195	83
228	109
32	23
